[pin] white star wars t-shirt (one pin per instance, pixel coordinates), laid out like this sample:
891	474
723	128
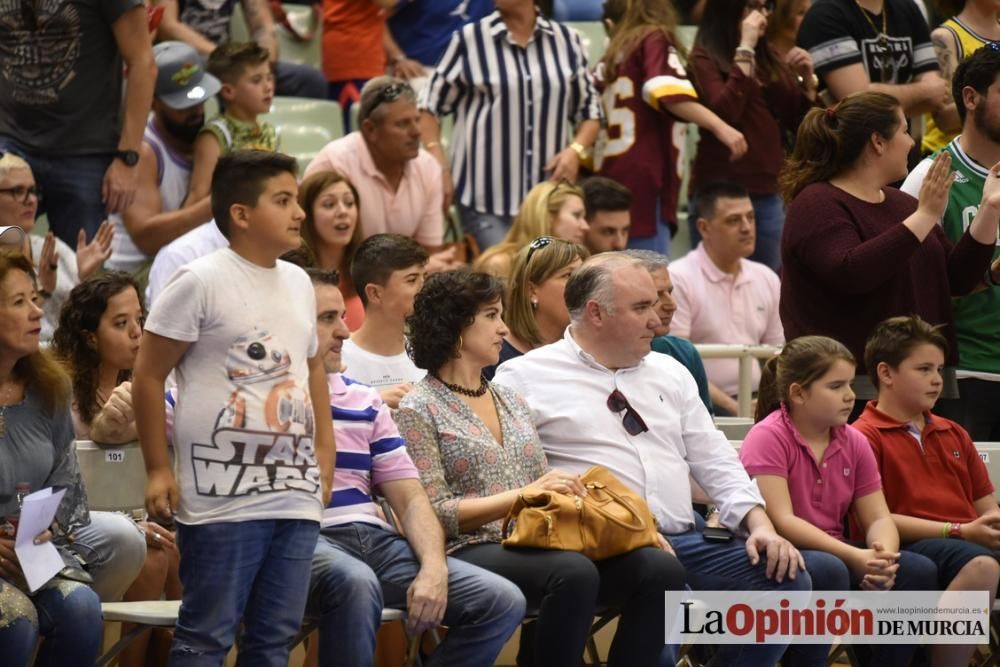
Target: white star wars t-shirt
243	424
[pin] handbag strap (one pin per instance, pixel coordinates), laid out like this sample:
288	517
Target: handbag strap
621	501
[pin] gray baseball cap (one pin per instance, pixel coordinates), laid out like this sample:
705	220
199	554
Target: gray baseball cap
182	81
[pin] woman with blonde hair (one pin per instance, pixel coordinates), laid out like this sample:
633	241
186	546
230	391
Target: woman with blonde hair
536	310
550	209
331	232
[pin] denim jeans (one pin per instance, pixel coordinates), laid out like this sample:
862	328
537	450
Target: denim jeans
488	229
66	613
257	571
769	214
292	80
916	573
114	549
69	187
713	566
359	568
659	243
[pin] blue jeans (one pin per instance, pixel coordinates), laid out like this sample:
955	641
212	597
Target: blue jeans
713	566
70	190
488	229
659	243
916	573
292	80
257	571
66	613
769	212
114	549
359	568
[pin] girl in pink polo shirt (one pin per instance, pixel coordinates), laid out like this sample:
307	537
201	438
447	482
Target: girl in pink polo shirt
812	469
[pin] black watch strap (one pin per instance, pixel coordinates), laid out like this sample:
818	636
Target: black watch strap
130	158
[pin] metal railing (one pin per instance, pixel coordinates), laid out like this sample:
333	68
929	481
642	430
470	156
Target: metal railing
747	354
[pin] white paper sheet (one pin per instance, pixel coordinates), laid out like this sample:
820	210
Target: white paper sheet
39	562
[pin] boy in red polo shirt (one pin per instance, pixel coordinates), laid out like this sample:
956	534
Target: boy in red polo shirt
934	482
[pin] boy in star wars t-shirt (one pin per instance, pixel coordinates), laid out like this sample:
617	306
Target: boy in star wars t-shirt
253	458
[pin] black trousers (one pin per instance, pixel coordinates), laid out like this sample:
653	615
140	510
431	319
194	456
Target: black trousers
566	589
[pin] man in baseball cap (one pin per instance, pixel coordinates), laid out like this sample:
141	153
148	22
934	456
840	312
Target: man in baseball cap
164	169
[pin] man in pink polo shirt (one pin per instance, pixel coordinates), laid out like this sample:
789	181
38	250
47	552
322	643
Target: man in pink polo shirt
398	183
723	297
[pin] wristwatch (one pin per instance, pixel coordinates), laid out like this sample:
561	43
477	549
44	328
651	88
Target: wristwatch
130	158
579	149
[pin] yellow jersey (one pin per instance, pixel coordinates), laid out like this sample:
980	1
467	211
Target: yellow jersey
968	43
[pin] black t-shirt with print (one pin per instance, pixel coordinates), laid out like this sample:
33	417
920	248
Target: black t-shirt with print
61	75
838	33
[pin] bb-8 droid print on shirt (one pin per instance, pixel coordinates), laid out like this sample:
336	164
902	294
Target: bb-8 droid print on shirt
253	359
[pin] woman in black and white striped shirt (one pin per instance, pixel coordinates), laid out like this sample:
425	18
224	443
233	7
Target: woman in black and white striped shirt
517	83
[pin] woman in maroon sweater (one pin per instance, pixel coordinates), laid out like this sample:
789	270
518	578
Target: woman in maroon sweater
855	251
739	76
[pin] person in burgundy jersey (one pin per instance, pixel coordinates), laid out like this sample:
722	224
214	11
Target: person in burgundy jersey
647	100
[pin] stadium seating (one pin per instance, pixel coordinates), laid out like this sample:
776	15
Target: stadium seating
989	452
291	48
593	36
115	477
304	126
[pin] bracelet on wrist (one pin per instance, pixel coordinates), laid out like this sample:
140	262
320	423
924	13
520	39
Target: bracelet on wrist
742	50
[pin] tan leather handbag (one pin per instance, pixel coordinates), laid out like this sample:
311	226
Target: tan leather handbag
611	520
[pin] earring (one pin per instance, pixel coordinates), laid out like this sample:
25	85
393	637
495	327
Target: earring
460	343
534	304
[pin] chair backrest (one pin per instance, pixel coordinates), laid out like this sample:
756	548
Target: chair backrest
593	36
115	477
989	452
290	48
735	428
304	126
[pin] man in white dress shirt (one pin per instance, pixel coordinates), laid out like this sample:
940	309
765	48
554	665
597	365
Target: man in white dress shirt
639	415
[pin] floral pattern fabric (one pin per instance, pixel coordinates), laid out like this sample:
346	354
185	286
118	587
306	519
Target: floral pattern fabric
458	457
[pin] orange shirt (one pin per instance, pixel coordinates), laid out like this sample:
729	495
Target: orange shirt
352	40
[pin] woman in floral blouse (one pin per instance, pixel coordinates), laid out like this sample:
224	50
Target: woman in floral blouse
476	448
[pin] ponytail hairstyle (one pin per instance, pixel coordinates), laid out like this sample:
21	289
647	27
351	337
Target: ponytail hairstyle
830	141
802	361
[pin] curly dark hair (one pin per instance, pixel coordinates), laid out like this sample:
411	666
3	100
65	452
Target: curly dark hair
444	307
81	314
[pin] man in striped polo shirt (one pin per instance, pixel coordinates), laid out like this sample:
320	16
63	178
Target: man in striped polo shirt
361	563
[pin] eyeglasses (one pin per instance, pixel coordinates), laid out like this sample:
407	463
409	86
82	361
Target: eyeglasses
631	420
390	93
537	244
21	193
761	6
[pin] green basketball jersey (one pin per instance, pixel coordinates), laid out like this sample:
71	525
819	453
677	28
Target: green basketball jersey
977	316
